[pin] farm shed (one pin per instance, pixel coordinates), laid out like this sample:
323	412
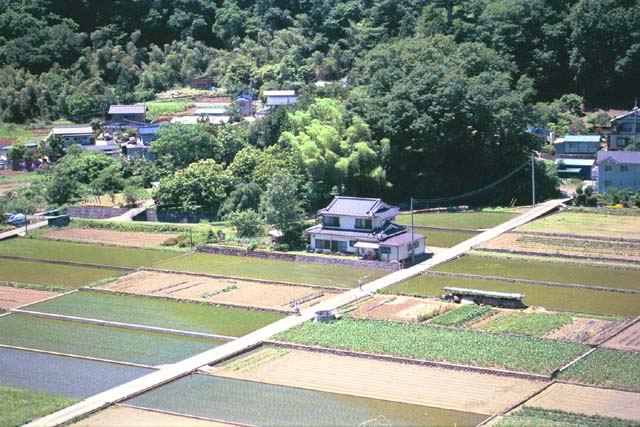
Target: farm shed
479	296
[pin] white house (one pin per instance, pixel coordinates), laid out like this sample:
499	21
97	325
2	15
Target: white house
82	134
617	170
366	227
280	97
624	129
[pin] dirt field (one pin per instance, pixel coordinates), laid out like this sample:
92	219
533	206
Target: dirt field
589	400
121	416
588	224
199	288
588	331
419	385
627	340
14	297
119	238
399	308
547	245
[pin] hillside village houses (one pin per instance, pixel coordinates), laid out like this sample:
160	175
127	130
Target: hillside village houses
366	227
624	129
617	170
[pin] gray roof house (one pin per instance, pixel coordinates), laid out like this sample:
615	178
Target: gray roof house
577	144
365	226
624	129
617	170
127	116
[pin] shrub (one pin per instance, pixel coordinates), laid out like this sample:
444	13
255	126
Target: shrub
246	223
252	246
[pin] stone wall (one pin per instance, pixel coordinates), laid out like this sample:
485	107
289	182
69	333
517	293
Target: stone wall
95	212
283	256
173	216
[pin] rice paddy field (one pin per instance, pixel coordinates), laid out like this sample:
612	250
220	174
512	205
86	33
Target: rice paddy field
437	344
273	405
42	273
534	417
82	253
601	222
159	313
18	406
460	220
545	271
61	375
556	297
267	269
445	239
608	368
98	341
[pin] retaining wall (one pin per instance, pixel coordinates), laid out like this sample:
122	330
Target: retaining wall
155	215
280	256
95	212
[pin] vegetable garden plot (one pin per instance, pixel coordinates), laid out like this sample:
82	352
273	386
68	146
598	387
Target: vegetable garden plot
82	253
545	271
18	406
572	299
607	368
14	297
268	269
108	237
432	343
98	341
460	220
535	417
588	224
67	376
271	405
159	313
42	273
400	308
462	316
629	339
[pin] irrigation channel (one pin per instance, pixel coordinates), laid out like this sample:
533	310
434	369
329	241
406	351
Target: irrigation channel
189	365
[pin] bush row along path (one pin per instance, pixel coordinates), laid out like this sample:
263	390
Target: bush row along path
184	367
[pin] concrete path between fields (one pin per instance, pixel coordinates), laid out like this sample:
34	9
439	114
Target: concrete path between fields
185	367
20	230
128	216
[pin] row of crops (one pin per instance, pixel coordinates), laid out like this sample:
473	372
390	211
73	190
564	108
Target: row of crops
535	417
433	343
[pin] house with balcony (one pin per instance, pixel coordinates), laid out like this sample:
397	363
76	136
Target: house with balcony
366	227
617	170
624	129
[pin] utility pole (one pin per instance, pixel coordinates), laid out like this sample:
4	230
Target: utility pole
413	249
191	239
533	180
635	124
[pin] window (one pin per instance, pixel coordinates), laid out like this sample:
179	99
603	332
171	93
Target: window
352	242
363	223
624	168
331	221
385	250
608	168
323	244
608	184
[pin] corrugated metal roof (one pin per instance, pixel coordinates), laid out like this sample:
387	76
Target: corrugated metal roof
575	162
213	110
127	109
582	138
402	239
148	130
279	93
480	292
73	130
625	157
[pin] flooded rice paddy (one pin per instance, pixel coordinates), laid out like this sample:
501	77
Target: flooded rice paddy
270	405
67	376
98	341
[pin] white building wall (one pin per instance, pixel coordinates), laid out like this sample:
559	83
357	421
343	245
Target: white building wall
281	100
617	178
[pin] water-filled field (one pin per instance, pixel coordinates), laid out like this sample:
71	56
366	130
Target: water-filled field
269	269
98	341
561	298
159	313
271	405
83	253
42	273
62	375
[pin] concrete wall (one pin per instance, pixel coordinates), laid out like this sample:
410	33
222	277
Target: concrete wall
94	212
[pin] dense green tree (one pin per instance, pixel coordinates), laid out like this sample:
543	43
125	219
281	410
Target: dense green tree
247	223
282	202
179	145
243	197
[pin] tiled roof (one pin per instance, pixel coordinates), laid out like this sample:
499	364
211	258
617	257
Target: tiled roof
127	109
635	111
625	157
388	231
359	206
401	239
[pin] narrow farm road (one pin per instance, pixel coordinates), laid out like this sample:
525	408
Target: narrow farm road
20	230
185	367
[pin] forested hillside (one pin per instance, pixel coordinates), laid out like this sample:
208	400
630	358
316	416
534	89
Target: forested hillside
439	91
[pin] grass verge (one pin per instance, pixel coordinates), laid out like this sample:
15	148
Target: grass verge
460	220
437	344
535	417
18	406
609	368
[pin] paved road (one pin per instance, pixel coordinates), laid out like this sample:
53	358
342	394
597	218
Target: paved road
184	367
20	230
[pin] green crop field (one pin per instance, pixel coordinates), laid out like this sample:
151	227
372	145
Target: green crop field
545	271
444	239
607	368
156	109
159	313
437	344
608	224
42	273
268	269
81	252
556	297
18	406
461	220
536	324
98	341
462	315
537	417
